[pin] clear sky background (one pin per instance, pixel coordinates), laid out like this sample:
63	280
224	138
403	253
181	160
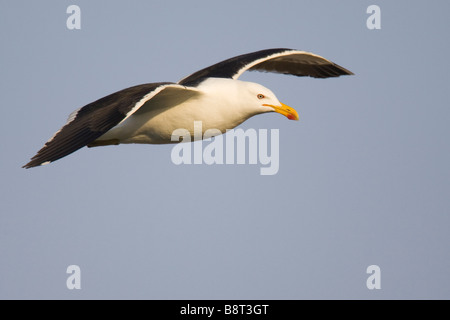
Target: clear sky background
364	176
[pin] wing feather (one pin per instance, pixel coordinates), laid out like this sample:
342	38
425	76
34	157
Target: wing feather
284	61
93	120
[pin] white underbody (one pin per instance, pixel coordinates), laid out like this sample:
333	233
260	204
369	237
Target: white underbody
218	103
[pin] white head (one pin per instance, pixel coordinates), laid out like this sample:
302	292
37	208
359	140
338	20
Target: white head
261	100
235	101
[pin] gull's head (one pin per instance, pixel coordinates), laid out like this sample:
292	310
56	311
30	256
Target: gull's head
262	99
236	101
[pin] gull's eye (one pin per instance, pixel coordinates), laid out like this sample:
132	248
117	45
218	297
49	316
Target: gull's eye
260	96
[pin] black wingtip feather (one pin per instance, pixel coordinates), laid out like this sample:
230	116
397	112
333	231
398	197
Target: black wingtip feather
91	122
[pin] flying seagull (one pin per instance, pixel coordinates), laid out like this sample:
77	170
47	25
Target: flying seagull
149	113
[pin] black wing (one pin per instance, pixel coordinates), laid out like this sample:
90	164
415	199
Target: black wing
93	120
285	61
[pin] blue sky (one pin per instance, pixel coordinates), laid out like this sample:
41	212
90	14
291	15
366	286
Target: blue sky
363	176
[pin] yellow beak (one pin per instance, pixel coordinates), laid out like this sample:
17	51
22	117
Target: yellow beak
285	110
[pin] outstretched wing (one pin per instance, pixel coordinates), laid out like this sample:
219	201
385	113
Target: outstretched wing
93	120
285	61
